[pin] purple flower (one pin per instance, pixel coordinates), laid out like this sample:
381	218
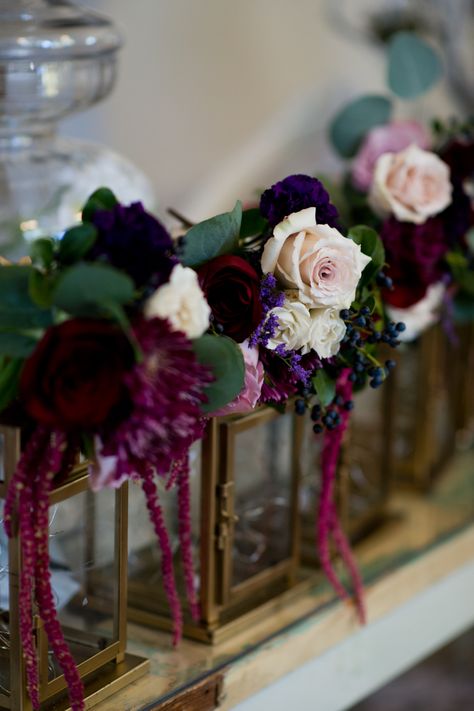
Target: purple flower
284	372
270	298
295	193
132	240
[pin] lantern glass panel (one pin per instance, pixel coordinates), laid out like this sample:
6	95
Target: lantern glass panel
263	494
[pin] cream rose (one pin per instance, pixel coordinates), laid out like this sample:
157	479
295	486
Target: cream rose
317	260
413	185
294	323
182	302
326	332
420	316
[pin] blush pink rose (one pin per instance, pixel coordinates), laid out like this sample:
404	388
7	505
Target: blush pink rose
412	185
389	138
249	395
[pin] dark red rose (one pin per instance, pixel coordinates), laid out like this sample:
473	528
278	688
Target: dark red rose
74	378
232	289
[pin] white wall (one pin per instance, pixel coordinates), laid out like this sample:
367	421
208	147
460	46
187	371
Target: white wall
216	96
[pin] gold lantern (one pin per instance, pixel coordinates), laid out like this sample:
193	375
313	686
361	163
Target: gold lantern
86	531
461	354
245	482
423	402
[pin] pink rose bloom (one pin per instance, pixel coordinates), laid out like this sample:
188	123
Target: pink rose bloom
389	138
250	393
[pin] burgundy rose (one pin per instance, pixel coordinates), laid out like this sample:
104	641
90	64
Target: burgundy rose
232	289
74	378
415	254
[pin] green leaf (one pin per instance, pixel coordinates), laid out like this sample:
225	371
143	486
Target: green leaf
9	381
413	66
325	387
101	199
76	242
17	309
213	237
252	223
350	125
16	345
463	308
225	359
89	289
372	246
462	273
41	287
42	252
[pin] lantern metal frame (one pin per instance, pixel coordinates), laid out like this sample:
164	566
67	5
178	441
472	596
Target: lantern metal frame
110	668
226	608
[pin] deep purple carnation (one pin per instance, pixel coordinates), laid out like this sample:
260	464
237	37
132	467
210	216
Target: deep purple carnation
283	375
295	193
131	239
415	254
458	216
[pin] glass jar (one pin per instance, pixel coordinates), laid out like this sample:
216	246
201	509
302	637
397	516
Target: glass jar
55	59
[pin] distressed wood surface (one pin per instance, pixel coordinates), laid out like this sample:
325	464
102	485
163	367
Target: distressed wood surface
423	540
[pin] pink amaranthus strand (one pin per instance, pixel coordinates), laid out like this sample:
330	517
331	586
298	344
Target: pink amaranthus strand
185	536
156	517
53	463
328	523
20	499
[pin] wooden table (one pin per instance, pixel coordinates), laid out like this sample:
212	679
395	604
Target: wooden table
419	573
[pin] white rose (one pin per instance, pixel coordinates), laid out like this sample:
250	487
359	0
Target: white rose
420	316
327	331
182	302
317	260
294	323
412	185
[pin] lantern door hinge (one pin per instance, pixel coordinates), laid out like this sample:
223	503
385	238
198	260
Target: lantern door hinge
225	513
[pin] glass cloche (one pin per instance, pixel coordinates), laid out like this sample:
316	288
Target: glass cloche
55	58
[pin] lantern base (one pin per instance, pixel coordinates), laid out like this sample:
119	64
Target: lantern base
110	680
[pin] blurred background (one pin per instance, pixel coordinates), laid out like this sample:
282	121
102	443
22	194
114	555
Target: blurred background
215	99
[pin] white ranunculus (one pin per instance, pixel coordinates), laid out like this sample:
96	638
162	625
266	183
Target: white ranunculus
294	323
182	302
327	331
412	185
420	316
316	260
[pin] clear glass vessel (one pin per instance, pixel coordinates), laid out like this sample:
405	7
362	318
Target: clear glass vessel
55	59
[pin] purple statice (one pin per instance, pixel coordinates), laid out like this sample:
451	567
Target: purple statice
295	193
271	297
134	241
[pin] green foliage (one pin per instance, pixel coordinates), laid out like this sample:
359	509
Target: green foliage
41	288
413	66
351	124
462	273
17	308
90	289
252	223
16	345
225	359
10	370
76	242
101	199
463	308
42	252
325	387
372	246
212	238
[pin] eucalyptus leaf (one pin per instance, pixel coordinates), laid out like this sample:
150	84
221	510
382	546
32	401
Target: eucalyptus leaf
212	238
372	246
9	381
463	308
324	386
17	308
16	345
42	252
413	66
89	289
225	359
41	288
351	124
76	242
101	199
252	223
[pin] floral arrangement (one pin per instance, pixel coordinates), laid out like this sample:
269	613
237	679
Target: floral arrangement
415	186
122	342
